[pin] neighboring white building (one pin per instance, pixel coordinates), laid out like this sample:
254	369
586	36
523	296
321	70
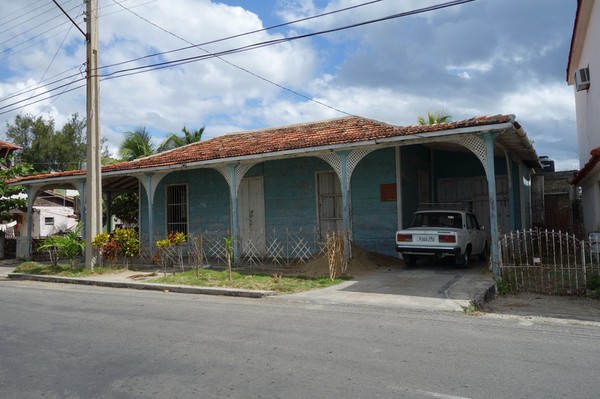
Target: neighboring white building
52	213
583	73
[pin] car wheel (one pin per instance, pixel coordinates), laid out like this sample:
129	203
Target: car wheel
463	259
484	255
409	260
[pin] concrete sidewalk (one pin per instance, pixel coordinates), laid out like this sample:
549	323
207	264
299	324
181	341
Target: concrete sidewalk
434	289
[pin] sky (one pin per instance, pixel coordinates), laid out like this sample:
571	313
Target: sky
483	57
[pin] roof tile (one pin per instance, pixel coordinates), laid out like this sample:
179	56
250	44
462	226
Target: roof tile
332	132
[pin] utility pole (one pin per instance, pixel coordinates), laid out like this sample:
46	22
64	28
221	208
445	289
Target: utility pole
93	182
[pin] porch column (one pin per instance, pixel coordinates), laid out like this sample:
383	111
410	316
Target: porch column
491	179
150	184
511	192
525	210
31	194
81	189
108	201
344	163
345	186
233	174
399	186
235	223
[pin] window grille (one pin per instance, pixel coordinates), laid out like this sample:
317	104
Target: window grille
177	209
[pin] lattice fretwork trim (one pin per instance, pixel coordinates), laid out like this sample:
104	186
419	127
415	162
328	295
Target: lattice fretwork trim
354	157
154	179
477	146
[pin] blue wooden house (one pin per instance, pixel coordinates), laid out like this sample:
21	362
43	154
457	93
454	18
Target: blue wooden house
278	192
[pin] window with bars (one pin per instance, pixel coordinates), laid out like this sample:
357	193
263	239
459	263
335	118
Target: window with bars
177	208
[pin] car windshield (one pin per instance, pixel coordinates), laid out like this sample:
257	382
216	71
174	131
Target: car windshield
437	219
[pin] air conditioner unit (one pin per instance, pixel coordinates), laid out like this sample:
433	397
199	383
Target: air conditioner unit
582	79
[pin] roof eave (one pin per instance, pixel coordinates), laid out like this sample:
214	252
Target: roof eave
580	25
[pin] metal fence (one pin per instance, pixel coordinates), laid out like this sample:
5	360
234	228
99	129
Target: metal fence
548	262
278	247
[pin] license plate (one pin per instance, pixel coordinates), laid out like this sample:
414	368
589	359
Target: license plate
425	239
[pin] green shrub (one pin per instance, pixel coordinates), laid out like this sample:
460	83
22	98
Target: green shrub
68	245
502	286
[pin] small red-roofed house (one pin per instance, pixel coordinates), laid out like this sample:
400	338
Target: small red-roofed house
278	191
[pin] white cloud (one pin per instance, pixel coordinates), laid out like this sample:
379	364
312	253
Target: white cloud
481	58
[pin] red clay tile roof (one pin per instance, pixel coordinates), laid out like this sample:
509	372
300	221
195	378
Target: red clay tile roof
588	167
276	140
10	146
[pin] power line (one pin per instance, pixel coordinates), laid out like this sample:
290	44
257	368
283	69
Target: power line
37	26
70	19
15	19
182	61
247	70
254	46
191	46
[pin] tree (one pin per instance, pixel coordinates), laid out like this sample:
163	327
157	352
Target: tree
174	141
8	194
137	144
433	118
125	208
47	149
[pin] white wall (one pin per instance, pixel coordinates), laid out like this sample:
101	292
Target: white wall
62	221
587	102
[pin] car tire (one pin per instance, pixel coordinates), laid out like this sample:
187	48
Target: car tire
484	255
462	260
409	260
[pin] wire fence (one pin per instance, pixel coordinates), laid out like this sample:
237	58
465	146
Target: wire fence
277	247
548	262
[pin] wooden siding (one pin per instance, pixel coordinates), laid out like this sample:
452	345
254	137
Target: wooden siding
208	202
290	197
414	158
373	221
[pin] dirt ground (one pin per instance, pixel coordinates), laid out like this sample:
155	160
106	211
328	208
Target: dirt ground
362	262
536	305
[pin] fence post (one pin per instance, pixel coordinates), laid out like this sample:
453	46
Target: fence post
583	264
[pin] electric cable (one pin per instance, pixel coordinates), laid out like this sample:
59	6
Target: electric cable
166	64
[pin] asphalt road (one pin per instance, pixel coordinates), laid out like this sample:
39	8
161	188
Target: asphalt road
68	341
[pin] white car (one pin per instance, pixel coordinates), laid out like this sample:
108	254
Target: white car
442	233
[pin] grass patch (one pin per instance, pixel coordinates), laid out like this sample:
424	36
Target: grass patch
63	270
252	281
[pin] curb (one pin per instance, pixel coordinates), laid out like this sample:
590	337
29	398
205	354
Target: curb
181	289
479	299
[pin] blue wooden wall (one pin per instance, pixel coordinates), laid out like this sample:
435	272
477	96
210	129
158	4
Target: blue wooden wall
374	222
208	196
289	190
290	193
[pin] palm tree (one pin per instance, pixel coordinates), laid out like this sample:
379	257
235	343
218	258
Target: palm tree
137	144
433	118
174	141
